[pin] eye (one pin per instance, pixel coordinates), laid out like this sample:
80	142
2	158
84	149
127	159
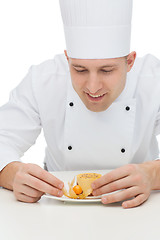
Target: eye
81	71
106	71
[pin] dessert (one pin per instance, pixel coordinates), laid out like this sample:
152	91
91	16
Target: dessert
83	188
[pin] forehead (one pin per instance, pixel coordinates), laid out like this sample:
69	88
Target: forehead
112	62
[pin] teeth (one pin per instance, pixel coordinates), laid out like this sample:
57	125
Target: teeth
95	96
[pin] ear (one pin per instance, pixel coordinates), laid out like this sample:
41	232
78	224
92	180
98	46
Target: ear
130	60
65	52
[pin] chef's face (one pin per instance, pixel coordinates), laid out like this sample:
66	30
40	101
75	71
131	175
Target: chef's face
98	82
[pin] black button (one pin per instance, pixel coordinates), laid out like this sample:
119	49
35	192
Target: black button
123	150
127	108
71	104
70	148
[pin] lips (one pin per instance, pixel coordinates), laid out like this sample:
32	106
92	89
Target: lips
95	98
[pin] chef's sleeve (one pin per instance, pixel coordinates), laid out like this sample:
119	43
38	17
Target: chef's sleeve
157	124
20	122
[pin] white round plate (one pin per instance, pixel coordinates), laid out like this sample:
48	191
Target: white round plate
65	199
66	176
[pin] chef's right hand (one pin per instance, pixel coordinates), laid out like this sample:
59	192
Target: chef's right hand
31	182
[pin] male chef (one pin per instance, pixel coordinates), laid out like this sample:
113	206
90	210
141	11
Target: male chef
98	105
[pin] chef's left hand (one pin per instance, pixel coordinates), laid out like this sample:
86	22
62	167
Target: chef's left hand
134	180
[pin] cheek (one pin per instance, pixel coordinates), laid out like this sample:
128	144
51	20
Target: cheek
78	82
117	82
123	80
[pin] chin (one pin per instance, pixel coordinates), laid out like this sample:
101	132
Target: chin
95	107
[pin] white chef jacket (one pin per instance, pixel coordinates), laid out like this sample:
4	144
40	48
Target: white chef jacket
77	138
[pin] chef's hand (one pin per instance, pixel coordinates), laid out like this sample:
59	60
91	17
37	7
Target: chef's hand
31	182
134	180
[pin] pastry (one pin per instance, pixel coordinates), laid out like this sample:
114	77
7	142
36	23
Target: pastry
83	187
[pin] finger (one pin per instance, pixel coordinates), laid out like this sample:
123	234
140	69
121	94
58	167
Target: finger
138	200
113	176
24	198
41	185
121	195
29	191
123	183
47	177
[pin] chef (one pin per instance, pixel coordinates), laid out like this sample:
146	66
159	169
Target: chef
98	105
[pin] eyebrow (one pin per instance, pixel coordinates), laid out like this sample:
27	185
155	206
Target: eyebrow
105	66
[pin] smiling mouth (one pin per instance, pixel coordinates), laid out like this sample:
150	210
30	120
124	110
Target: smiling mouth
95	97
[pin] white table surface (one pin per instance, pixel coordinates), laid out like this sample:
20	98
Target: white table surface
52	219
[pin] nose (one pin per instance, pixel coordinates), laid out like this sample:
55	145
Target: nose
93	84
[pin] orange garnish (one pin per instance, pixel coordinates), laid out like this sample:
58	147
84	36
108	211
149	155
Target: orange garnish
77	189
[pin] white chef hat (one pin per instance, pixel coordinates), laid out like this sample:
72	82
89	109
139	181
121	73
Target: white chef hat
97	29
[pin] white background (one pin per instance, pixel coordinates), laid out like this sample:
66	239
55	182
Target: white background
31	32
